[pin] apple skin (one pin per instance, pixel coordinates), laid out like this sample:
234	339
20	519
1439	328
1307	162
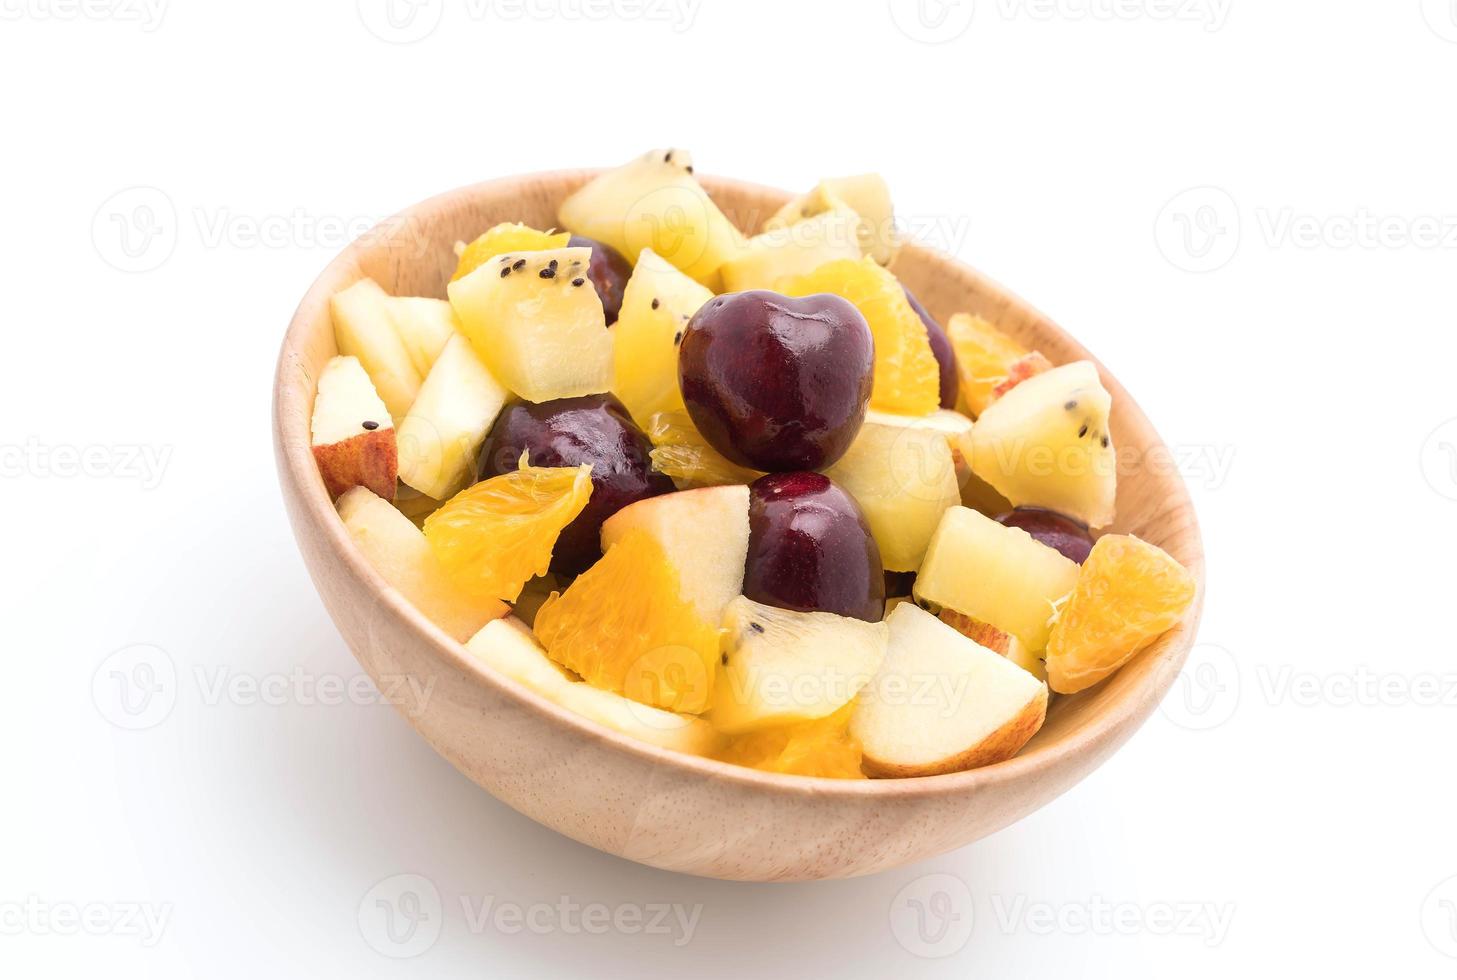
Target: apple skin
777	383
368	460
592	429
810	549
608	270
941	347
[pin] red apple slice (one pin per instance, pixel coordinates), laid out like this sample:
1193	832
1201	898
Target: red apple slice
942	703
353	435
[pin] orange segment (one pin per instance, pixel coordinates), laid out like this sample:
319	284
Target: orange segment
907	378
492	537
506	237
823	747
681	452
624	626
1128	593
984	358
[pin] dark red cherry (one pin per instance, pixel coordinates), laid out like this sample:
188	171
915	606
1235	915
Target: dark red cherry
592	429
1055	530
609	271
810	549
777	383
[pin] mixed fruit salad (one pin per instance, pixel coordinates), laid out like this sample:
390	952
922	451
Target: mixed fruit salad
740	497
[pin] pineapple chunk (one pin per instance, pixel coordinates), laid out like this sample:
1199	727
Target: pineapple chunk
866	195
364	328
903	477
997	574
796	250
657	304
1046	443
654	202
537	322
457	405
424	326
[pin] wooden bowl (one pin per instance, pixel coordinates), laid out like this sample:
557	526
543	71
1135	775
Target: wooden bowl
649	804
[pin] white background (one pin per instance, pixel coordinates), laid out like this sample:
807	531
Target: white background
1246	208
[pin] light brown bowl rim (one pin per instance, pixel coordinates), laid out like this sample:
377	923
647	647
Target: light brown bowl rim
294	452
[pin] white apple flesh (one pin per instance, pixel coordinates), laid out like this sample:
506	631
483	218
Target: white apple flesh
942	703
365	328
705	535
440	437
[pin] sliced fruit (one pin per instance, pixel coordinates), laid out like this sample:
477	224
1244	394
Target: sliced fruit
509	647
656	306
1027	366
626	626
984	357
865	194
941	347
414	504
811	549
444	430
1128	593
492	537
997	574
942	703
983	634
907	377
352	435
608	271
903	477
703	533
997	641
654	202
537	323
502	239
533	596
823	747
777	383
402	556
793	250
425	326
778	666
683	454
592	429
1057	531
1046	444
364	328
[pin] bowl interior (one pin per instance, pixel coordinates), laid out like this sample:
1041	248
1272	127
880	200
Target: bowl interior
413	254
